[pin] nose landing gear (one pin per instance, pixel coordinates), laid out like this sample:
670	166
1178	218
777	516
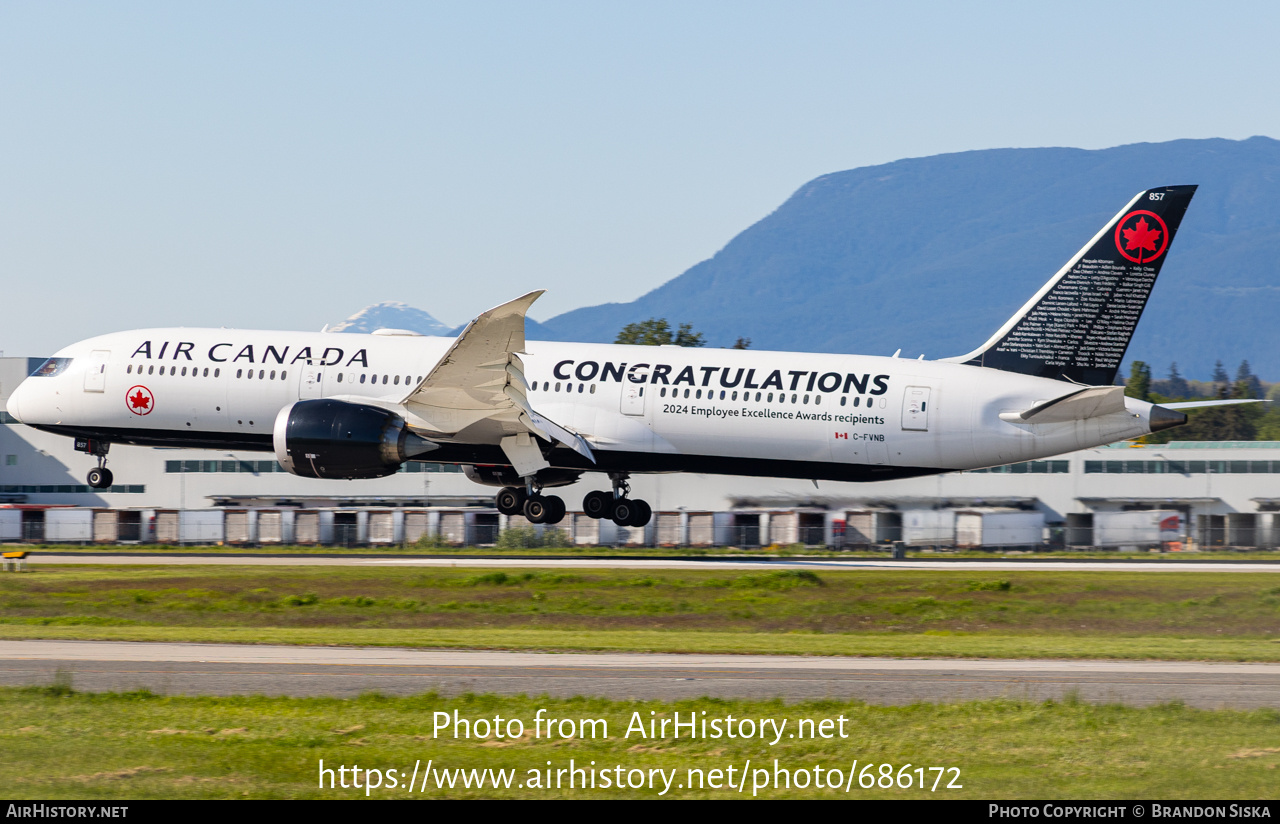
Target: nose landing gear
99	477
616	505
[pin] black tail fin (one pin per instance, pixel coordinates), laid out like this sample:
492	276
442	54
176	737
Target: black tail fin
1078	326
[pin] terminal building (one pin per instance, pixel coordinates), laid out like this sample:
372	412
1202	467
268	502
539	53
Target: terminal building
1182	495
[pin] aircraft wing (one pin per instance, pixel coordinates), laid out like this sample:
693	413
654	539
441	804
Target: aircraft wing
482	378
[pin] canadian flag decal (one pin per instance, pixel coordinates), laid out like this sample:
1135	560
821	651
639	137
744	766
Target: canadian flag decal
844	435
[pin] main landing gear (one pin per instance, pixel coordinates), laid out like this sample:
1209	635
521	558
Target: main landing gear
538	508
616	505
99	477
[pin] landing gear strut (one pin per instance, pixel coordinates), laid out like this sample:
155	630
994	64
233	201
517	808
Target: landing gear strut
538	508
617	506
100	477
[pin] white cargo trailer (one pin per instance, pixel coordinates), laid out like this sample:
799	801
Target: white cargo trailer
995	527
10	524
68	526
1146	528
929	527
200	526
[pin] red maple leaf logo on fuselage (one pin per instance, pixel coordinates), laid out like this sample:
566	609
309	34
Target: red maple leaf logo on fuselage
139	399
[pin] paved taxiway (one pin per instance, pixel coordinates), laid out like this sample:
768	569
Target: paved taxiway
228	669
716	563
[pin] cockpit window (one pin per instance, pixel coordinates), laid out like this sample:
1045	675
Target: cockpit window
51	367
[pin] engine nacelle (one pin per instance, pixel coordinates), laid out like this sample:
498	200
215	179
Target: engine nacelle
506	476
325	438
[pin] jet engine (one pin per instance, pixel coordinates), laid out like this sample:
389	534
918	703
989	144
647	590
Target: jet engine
334	439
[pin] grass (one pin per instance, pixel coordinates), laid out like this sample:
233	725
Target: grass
1193	615
61	744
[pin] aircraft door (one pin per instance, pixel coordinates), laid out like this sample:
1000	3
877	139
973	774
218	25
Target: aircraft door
311	382
915	408
632	399
95	372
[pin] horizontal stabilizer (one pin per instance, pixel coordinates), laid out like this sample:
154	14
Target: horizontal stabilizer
1090	402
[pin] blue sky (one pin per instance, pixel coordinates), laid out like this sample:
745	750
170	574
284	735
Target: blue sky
282	165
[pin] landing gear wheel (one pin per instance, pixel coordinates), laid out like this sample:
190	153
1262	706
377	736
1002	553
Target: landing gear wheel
100	477
510	500
624	511
555	510
643	512
597	504
536	509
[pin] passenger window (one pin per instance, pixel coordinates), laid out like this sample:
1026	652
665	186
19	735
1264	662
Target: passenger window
557	386
128	369
593	390
581	388
842	400
273	374
857	401
384	380
261	373
283	375
817	400
184	371
546	386
734	397
686	393
206	372
397	380
793	398
362	377
217	372
757	396
769	397
406	380
150	370
661	394
238	371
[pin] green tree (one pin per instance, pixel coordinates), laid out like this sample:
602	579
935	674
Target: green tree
1176	385
657	332
1252	385
1139	384
1220	375
742	343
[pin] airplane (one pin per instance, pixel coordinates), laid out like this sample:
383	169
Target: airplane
528	416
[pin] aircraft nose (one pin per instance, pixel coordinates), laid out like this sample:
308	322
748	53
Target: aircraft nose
12	406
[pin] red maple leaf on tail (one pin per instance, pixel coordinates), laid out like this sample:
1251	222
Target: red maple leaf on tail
1140	237
139	400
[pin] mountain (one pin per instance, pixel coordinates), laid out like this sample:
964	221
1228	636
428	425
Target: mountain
932	254
395	315
391	315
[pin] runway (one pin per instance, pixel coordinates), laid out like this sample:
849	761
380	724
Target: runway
231	669
712	563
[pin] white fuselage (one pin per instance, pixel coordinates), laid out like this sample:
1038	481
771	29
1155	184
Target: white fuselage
641	408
